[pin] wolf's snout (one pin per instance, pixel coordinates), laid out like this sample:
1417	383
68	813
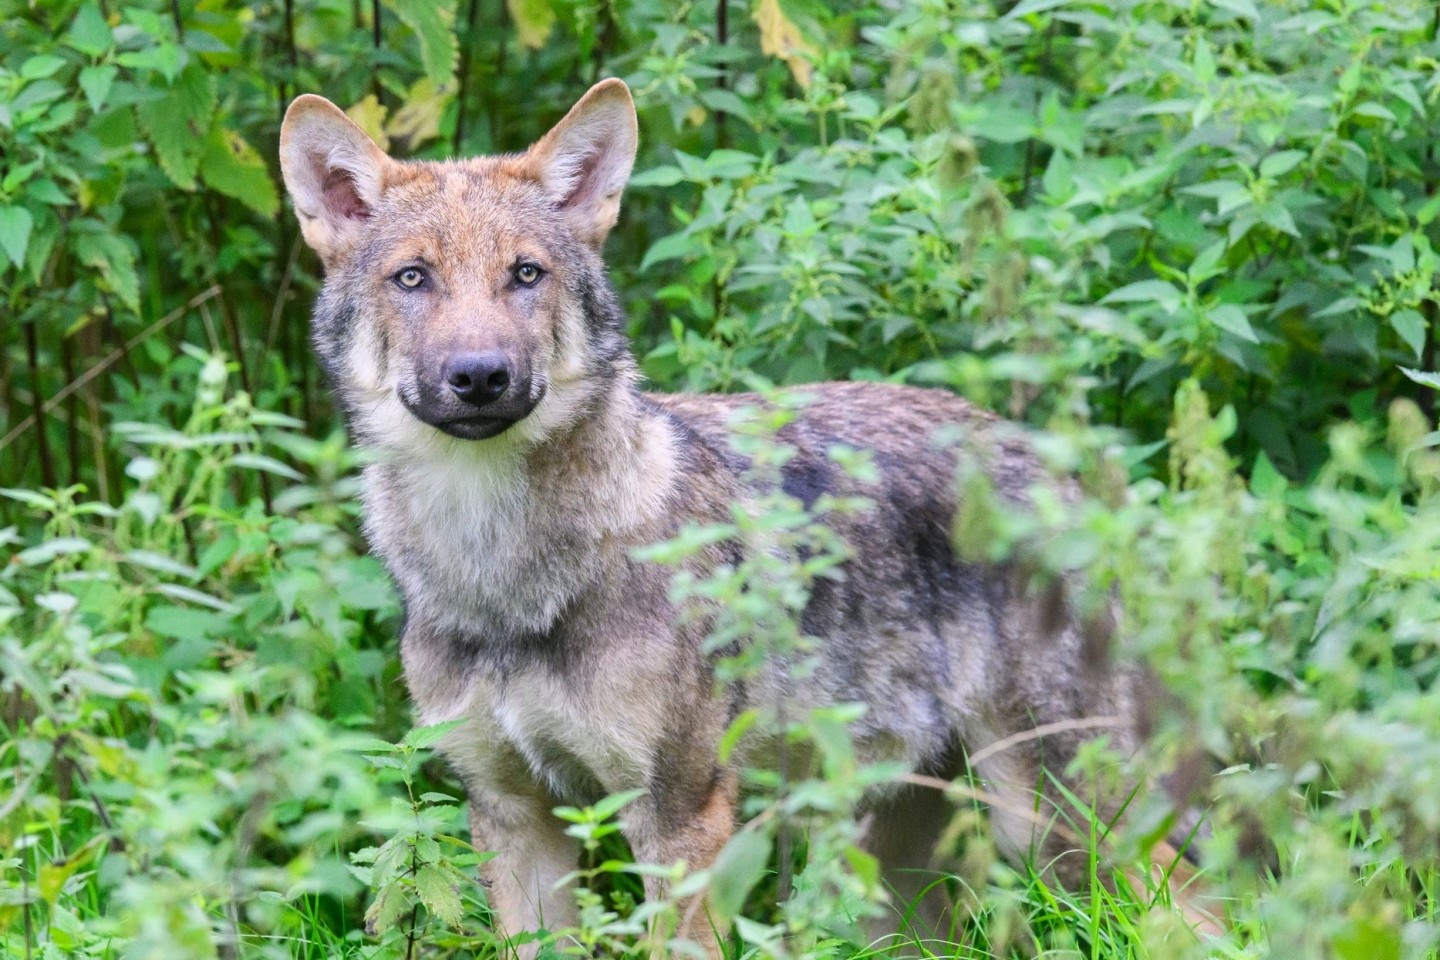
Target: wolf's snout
478	378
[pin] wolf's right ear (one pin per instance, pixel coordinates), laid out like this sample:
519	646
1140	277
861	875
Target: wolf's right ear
585	160
334	172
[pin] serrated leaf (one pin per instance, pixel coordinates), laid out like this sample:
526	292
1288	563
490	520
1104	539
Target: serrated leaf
1410	325
231	166
418	121
177	124
29	497
96	83
385	910
533	19
89	33
437	891
1245	8
432	21
663	176
15	226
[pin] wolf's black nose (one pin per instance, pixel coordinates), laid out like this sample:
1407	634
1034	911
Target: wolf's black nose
478	378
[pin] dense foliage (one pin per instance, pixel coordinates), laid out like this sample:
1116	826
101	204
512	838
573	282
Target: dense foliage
1191	244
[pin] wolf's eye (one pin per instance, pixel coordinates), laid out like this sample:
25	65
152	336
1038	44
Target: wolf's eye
527	273
410	278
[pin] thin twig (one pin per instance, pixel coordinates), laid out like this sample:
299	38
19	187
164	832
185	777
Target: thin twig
462	75
106	363
32	357
277	312
1044	730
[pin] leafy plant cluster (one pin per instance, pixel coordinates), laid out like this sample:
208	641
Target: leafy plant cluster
1192	245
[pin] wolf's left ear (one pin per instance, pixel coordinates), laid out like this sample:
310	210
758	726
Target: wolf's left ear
585	160
335	174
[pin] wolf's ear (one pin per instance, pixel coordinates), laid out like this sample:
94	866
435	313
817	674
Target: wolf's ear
334	172
585	160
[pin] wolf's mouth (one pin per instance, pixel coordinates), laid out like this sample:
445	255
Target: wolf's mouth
477	427
471	426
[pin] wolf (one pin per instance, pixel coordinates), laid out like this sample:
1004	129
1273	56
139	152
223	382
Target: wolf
472	338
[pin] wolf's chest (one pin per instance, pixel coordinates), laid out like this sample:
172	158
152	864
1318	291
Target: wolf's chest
581	744
474	551
578	746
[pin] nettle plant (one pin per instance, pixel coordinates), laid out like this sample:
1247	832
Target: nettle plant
179	680
1123	195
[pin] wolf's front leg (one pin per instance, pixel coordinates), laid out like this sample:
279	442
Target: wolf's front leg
534	854
689	822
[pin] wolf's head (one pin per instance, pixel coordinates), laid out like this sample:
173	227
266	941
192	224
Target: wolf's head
466	299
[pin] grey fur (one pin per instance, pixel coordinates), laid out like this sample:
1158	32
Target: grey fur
528	616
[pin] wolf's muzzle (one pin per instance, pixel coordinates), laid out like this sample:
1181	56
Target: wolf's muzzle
474	394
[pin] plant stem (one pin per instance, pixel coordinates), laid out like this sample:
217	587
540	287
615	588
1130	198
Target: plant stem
32	357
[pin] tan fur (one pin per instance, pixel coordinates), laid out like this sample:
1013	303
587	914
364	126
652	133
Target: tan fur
510	523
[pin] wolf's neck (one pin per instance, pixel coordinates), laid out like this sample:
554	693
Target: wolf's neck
504	536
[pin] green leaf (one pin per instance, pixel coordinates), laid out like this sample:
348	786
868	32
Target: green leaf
1265	480
736	871
48	191
534	20
1282	162
49	550
1147	291
386	908
41	66
422	737
608	806
1410	325
234	168
15	226
89	33
1204	63
1244	8
1368	938
1431	380
736	730
1232	319
96	82
178	122
113	257
432	22
662	176
1027	7
669	248
439	894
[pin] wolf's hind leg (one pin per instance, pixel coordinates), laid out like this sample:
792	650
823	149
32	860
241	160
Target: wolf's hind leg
903	832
